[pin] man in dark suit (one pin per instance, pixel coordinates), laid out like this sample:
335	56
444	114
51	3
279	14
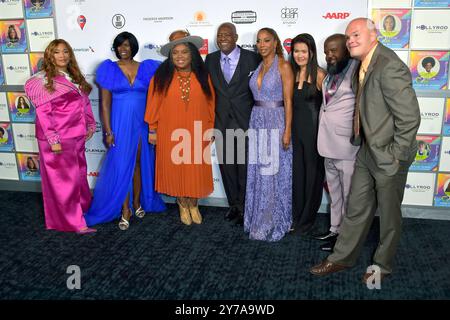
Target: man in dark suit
230	69
386	121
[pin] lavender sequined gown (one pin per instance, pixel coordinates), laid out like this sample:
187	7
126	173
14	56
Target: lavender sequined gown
268	202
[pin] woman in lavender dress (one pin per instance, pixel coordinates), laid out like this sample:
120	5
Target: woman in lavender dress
269	182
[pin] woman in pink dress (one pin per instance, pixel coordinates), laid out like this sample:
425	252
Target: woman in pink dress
64	121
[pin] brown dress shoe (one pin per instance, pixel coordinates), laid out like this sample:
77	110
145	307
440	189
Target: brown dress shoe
326	267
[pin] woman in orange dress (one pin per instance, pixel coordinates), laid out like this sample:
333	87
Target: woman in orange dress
180	114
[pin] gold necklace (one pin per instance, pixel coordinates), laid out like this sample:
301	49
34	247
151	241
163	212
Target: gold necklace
185	86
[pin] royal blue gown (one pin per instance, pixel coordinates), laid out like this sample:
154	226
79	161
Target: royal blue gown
127	123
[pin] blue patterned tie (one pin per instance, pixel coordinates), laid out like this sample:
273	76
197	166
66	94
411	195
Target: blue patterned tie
227	69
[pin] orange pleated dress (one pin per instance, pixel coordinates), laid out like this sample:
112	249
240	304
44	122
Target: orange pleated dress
180	168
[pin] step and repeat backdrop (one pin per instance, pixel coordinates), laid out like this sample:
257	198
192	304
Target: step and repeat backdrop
417	30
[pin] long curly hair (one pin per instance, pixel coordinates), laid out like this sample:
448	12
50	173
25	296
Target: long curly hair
164	74
49	67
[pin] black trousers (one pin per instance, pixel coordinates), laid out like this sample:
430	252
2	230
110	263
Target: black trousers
232	154
308	174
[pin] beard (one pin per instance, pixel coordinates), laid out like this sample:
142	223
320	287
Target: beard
337	68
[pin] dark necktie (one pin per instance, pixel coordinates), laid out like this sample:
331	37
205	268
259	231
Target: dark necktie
332	89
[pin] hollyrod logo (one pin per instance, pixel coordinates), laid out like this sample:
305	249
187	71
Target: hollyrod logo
26	136
42	33
418	187
337	15
429	114
7	164
17	68
10	2
152	46
432	28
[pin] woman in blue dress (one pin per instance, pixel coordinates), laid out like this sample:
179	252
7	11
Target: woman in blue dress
126	178
268	201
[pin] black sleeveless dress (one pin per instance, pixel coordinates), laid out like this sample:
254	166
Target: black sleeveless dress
308	171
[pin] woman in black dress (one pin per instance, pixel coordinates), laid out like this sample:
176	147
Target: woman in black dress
308	166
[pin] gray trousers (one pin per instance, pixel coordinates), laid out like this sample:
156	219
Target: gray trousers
372	190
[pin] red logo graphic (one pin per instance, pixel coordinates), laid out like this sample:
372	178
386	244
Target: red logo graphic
287	45
337	15
81	21
93	174
204	50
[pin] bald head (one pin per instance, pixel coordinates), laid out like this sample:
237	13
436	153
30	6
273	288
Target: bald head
361	36
226	37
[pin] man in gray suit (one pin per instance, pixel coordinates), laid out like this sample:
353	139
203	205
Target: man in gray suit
386	121
335	131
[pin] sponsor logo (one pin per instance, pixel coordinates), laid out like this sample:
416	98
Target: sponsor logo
432	29
26	136
447	152
157	19
98	126
18	68
289	16
287	45
200	20
337	15
7	165
88	150
418	187
429	114
10	2
88	49
249	46
79	1
118	21
241	17
152	46
204	50
93	174
81	20
42	33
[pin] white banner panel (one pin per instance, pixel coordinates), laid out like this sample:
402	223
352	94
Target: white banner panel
94	161
419	189
4	115
40	33
430	29
11	9
25	138
403	55
444	163
17	68
431	113
391	4
91	34
8	166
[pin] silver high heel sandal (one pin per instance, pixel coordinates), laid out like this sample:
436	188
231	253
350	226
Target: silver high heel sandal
124	224
140	213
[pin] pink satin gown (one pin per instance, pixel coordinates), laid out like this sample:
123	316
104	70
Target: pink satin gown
64	117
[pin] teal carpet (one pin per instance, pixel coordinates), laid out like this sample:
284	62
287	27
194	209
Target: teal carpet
159	258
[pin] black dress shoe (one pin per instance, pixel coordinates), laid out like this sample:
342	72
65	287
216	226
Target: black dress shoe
329	246
231	214
240	220
326	236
